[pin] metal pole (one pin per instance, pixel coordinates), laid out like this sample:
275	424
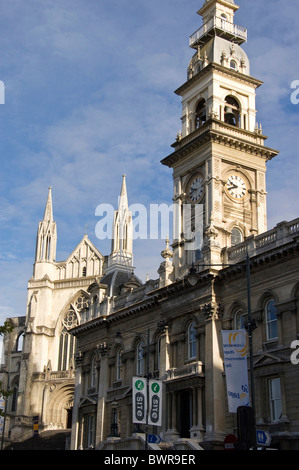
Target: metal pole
250	329
147	387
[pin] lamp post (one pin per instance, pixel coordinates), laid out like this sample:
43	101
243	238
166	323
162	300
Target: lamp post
148	375
250	325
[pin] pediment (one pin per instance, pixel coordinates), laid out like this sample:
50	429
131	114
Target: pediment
87	401
268	359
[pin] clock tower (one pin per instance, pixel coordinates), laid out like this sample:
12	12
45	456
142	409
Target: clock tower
219	159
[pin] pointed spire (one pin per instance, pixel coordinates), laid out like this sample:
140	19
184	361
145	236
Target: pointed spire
46	234
123	198
122	233
48	215
123	192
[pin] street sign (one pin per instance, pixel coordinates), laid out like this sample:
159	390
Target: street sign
154	439
35	425
263	438
230	441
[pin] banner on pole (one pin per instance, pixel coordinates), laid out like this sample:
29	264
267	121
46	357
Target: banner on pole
235	349
155	402
139	400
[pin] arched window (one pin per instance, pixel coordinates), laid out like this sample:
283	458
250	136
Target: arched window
14	398
200	114
67	341
191	341
271	319
20	341
140	358
232	111
240	319
236	236
118	364
233	64
223	21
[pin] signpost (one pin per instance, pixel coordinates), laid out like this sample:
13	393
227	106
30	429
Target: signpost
263	438
230	442
154	439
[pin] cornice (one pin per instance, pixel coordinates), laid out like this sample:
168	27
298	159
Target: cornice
221	69
216	131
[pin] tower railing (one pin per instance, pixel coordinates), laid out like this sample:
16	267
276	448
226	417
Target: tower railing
224	28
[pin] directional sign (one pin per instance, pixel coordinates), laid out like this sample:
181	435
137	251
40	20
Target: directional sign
154	439
263	438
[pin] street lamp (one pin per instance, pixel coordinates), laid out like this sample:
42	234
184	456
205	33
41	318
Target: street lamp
148	375
250	325
161	325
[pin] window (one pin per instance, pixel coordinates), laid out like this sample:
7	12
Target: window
240	319
118	364
223	21
271	319
14	398
20	342
93	373
140	358
90	431
233	64
191	341
82	302
67	341
158	353
275	399
236	236
200	114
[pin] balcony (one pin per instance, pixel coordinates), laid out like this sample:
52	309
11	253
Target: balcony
222	28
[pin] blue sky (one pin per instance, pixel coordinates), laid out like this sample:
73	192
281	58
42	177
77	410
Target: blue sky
89	96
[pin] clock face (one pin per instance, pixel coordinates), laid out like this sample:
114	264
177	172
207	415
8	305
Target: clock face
196	189
236	187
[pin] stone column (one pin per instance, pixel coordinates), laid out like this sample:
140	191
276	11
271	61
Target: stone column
102	393
197	428
172	433
214	380
77	394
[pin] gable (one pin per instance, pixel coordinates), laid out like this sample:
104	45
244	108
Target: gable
86	260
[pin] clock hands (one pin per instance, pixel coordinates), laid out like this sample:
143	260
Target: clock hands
233	186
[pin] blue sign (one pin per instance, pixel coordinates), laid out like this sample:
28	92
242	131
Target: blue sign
154	439
263	438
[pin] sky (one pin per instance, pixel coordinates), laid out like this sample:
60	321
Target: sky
89	96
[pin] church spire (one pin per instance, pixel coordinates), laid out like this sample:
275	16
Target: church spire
122	233
48	215
46	234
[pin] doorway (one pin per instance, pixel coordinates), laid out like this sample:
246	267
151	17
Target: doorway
69	418
185	422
